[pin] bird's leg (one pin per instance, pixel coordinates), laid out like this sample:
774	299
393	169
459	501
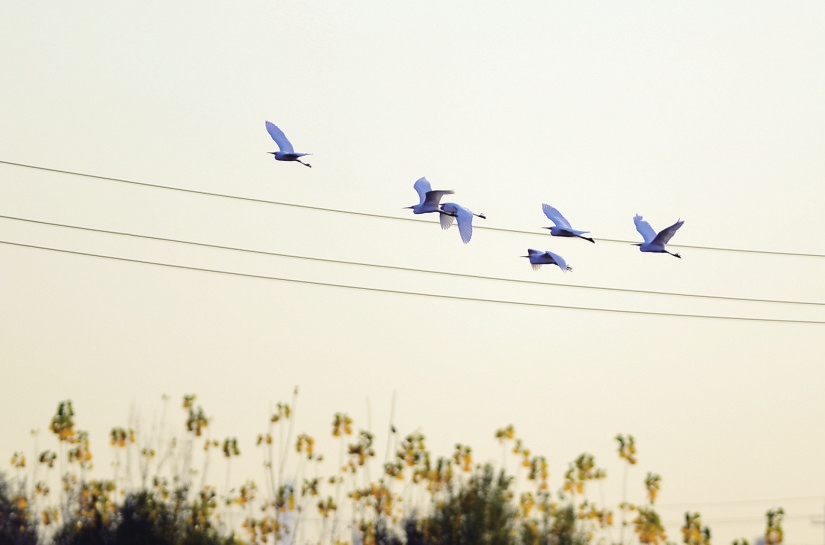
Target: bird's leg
305	164
674	254
587	238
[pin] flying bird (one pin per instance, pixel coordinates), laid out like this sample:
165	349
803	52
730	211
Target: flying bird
655	242
539	258
464	217
286	152
428	198
562	227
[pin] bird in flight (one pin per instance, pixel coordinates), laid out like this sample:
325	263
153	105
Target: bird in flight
562	227
655	242
285	151
428	199
538	258
464	217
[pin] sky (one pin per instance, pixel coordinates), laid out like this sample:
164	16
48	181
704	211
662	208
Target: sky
711	112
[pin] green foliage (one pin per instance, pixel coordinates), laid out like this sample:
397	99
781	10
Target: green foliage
479	512
557	526
142	518
444	500
649	528
62	423
15	518
774	535
627	448
692	531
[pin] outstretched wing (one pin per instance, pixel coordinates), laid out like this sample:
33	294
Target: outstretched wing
558	260
464	217
445	218
280	138
666	234
555	216
432	198
422	186
644	228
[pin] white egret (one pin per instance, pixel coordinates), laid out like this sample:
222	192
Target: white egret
464	217
428	198
286	152
655	242
538	258
562	227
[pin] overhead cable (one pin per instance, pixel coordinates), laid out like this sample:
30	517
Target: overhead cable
413	293
371	215
409	269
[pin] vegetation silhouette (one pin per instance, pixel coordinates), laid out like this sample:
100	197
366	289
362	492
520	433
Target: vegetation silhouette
414	499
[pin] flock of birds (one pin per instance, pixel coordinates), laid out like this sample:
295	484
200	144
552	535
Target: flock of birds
430	203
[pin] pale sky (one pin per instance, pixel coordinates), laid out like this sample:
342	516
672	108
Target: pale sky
711	112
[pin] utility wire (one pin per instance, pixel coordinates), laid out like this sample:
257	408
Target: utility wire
728	520
370	215
419	294
741	502
408	269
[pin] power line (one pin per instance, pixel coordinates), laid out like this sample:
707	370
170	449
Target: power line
729	520
740	502
419	294
371	215
409	269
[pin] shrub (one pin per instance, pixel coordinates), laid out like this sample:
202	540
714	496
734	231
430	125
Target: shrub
479	512
15	526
